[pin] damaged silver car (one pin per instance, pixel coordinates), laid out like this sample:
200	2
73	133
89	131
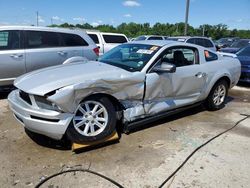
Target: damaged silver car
133	83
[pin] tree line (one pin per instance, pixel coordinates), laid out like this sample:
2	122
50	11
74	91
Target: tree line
134	29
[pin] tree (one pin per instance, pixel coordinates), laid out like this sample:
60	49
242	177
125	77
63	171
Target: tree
134	29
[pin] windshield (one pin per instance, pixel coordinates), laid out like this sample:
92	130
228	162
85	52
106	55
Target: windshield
244	52
140	38
131	57
240	44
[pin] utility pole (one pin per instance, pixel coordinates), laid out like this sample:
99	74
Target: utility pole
51	21
186	17
37	18
203	30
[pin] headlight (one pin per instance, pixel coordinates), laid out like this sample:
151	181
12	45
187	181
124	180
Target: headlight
43	103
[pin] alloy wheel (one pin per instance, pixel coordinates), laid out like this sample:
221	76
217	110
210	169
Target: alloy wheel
219	95
90	118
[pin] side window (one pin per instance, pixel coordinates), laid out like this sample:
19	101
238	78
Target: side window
114	39
94	37
181	56
41	39
73	40
155	38
191	41
199	41
209	56
208	43
10	40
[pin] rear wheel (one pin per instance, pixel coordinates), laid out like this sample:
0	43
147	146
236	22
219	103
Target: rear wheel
217	96
94	120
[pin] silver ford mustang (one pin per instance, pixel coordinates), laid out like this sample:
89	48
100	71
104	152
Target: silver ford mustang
133	83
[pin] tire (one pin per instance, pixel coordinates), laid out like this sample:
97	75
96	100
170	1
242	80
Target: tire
94	120
217	96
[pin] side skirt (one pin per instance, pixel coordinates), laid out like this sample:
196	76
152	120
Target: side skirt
140	122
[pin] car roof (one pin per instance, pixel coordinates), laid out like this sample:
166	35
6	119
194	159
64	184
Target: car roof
106	33
244	40
150	36
187	37
155	42
39	28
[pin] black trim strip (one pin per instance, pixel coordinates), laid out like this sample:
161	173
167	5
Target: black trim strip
45	119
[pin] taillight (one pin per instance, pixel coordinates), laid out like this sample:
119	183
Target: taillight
96	50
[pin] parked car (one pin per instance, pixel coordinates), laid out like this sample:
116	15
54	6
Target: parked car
133	83
107	41
150	37
244	56
201	41
236	46
24	49
225	42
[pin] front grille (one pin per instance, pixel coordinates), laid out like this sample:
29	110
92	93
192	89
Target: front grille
25	96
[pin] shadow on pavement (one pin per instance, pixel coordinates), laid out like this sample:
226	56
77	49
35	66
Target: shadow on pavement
48	142
66	145
243	84
63	144
188	112
4	95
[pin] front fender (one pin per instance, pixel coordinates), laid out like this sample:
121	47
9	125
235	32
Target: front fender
129	88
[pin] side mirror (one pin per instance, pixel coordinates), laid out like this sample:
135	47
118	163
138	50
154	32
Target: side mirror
165	67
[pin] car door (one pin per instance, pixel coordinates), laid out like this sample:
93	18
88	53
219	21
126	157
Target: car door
12	56
43	49
74	45
166	91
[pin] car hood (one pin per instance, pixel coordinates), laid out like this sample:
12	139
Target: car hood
46	80
230	50
244	60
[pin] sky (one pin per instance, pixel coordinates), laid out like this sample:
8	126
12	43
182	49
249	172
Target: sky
234	13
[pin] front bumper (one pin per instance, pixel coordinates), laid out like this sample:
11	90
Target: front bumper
46	122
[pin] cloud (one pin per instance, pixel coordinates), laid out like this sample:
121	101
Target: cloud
95	24
127	15
4	23
239	20
40	19
26	22
79	19
57	18
131	3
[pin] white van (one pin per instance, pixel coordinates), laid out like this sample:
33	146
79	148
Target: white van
106	41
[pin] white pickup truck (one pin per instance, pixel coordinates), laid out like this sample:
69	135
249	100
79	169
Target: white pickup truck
106	41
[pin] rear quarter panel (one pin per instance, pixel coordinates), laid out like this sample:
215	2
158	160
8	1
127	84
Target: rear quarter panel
224	66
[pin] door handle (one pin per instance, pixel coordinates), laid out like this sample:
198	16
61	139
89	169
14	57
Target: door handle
16	56
201	75
62	53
